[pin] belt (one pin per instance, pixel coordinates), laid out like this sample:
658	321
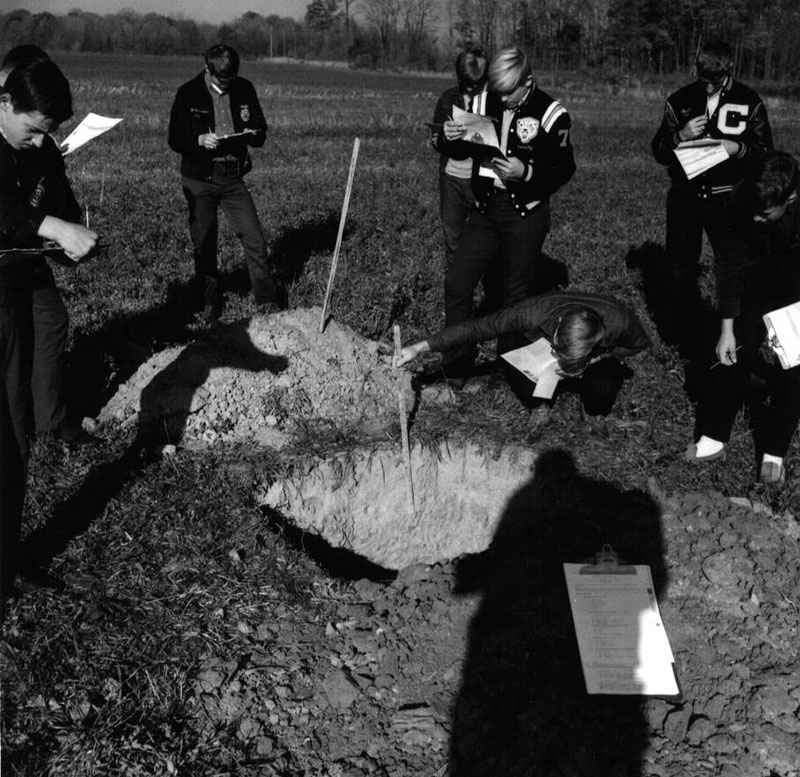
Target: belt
226	163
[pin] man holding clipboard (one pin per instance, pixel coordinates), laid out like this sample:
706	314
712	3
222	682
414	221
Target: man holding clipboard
512	193
215	118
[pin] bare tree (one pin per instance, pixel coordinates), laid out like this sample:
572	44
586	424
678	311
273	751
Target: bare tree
383	16
418	17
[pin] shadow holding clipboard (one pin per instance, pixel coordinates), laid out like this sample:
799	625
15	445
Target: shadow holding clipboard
522	707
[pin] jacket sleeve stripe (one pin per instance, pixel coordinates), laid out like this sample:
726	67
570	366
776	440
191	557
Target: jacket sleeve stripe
552	114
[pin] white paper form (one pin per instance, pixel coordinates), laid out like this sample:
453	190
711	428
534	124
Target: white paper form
622	641
92	126
537	363
697	156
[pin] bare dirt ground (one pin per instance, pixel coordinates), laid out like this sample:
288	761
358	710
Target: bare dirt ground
197	636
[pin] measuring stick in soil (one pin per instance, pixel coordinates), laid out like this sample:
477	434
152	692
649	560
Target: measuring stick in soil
342	219
401	400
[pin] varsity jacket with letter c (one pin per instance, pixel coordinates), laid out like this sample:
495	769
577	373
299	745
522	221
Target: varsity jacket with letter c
740	116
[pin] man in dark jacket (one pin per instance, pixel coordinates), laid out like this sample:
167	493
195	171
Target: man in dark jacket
36	205
455	194
50	318
589	334
215	118
767	277
512	195
714	107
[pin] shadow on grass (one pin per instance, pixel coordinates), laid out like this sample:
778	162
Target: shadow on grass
522	707
165	405
682	318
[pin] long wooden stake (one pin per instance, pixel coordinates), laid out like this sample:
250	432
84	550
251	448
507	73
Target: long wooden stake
342	219
401	401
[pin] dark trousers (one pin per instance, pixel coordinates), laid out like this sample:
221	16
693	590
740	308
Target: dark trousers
50	330
456	201
499	239
725	388
688	216
16	344
204	198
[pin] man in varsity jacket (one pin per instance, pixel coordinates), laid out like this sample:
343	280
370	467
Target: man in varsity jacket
512	195
715	106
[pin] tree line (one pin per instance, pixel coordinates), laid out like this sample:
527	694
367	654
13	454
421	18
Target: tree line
629	36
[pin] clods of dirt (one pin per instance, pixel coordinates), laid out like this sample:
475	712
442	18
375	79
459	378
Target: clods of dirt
257	380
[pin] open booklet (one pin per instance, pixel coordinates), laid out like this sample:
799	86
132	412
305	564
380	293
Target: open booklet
697	156
481	134
92	126
783	334
537	363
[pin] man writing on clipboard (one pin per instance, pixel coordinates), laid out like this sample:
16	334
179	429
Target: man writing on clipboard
215	118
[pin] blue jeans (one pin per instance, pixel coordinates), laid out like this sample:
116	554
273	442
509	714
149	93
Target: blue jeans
499	239
227	189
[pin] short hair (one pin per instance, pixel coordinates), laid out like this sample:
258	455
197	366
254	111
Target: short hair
39	85
222	61
578	332
509	68
774	178
27	52
714	60
471	67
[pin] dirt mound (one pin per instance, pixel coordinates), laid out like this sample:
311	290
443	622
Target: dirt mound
257	380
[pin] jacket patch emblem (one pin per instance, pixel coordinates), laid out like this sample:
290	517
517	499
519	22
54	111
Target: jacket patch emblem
38	194
527	129
244	112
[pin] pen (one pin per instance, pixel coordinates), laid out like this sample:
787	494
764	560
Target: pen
719	361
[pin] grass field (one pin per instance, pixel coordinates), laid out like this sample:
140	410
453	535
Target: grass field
133	300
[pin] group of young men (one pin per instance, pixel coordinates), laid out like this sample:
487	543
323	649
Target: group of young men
215	118
495	216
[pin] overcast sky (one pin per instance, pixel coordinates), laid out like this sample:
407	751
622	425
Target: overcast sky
214	11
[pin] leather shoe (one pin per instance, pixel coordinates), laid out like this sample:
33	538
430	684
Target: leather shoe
690	454
772	473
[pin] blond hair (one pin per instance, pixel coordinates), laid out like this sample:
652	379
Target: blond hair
509	68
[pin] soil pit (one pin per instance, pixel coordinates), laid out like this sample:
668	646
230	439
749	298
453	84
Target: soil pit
360	500
256	380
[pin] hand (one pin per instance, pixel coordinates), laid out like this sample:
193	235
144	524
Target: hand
731	146
76	240
693	128
511	169
209	140
410	352
453	130
726	348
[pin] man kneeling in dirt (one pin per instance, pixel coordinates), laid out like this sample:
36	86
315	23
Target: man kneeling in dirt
587	334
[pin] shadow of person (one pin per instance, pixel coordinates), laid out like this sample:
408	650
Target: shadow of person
682	318
165	405
522	708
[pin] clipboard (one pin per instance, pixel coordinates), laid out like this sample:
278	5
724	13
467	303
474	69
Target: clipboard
783	334
622	640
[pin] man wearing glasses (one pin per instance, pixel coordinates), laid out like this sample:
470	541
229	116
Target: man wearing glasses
506	230
714	107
